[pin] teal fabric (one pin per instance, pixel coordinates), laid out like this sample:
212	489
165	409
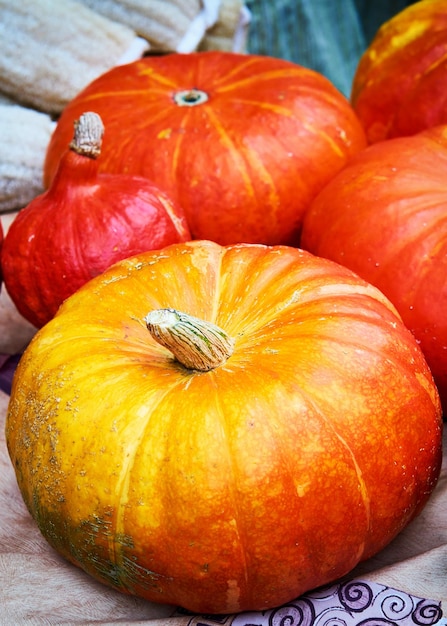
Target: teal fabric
328	36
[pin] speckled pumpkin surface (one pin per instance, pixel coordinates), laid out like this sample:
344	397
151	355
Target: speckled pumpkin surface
306	451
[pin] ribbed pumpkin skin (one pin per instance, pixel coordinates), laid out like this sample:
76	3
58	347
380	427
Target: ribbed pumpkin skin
400	86
239	488
384	216
245	164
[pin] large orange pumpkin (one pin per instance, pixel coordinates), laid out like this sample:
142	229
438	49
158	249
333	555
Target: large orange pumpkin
241	142
385	217
400	86
296	431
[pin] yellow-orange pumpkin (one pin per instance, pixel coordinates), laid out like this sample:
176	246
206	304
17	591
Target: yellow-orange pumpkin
303	433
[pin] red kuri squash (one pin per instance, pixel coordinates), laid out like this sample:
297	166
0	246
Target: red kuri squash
286	428
242	142
400	87
385	217
83	223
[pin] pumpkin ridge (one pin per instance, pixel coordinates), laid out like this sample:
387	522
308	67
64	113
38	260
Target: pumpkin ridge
253	163
181	136
75	226
171	476
271	107
163	79
427	70
276	75
327	291
329	95
218	288
361	482
124	485
127	142
252	278
236	151
245	62
142	116
293	478
247	538
385	264
412	242
124	94
319	132
240	529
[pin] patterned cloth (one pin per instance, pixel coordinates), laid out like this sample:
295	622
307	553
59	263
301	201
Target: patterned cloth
324	35
8	363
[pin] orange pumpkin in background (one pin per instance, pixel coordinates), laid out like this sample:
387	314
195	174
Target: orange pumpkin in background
385	217
242	142
223	428
400	86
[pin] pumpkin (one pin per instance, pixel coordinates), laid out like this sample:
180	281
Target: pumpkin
400	85
241	142
384	216
83	223
197	425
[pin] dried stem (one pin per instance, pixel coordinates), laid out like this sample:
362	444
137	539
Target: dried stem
195	343
88	134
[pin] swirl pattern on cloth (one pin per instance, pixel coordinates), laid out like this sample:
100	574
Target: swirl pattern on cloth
352	603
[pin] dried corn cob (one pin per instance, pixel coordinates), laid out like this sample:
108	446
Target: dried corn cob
169	25
231	29
50	50
25	134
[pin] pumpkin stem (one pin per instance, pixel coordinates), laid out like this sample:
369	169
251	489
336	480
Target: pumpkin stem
195	343
190	97
88	133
